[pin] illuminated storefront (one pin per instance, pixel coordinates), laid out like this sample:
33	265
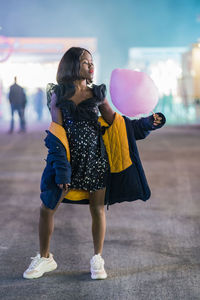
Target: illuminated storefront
34	61
176	73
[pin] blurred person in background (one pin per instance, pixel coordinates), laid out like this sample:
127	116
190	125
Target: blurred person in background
39	103
17	98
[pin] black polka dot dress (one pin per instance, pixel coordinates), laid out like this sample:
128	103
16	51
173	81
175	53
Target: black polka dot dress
89	160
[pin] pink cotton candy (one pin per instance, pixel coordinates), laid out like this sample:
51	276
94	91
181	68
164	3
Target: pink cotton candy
132	92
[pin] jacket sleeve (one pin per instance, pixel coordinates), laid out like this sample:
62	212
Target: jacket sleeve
143	126
57	157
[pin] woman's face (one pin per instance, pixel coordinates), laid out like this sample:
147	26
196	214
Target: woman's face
86	66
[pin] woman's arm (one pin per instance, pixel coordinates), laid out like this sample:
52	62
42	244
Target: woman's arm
143	126
56	114
106	111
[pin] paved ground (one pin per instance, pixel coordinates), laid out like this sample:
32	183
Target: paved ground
152	249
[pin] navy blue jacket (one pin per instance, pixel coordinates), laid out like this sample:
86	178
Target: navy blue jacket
128	185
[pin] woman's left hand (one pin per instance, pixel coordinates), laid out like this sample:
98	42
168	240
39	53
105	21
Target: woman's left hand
157	119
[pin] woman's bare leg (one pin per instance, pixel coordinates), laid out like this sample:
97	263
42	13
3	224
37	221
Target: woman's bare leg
46	226
98	219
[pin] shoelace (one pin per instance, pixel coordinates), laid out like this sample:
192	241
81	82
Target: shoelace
35	262
97	262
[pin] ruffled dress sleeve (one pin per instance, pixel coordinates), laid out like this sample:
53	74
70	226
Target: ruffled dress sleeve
99	92
53	88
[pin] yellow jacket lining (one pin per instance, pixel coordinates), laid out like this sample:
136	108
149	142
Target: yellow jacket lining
117	147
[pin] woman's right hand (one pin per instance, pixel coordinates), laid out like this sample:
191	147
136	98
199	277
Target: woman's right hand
64	187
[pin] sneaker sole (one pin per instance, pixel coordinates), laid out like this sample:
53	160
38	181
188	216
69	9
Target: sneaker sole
40	274
98	276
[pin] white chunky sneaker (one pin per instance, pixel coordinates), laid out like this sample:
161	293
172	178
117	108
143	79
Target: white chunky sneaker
97	267
39	266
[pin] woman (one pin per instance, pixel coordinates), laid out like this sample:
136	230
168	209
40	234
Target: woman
74	105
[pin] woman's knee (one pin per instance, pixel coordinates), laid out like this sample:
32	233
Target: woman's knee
97	210
45	211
